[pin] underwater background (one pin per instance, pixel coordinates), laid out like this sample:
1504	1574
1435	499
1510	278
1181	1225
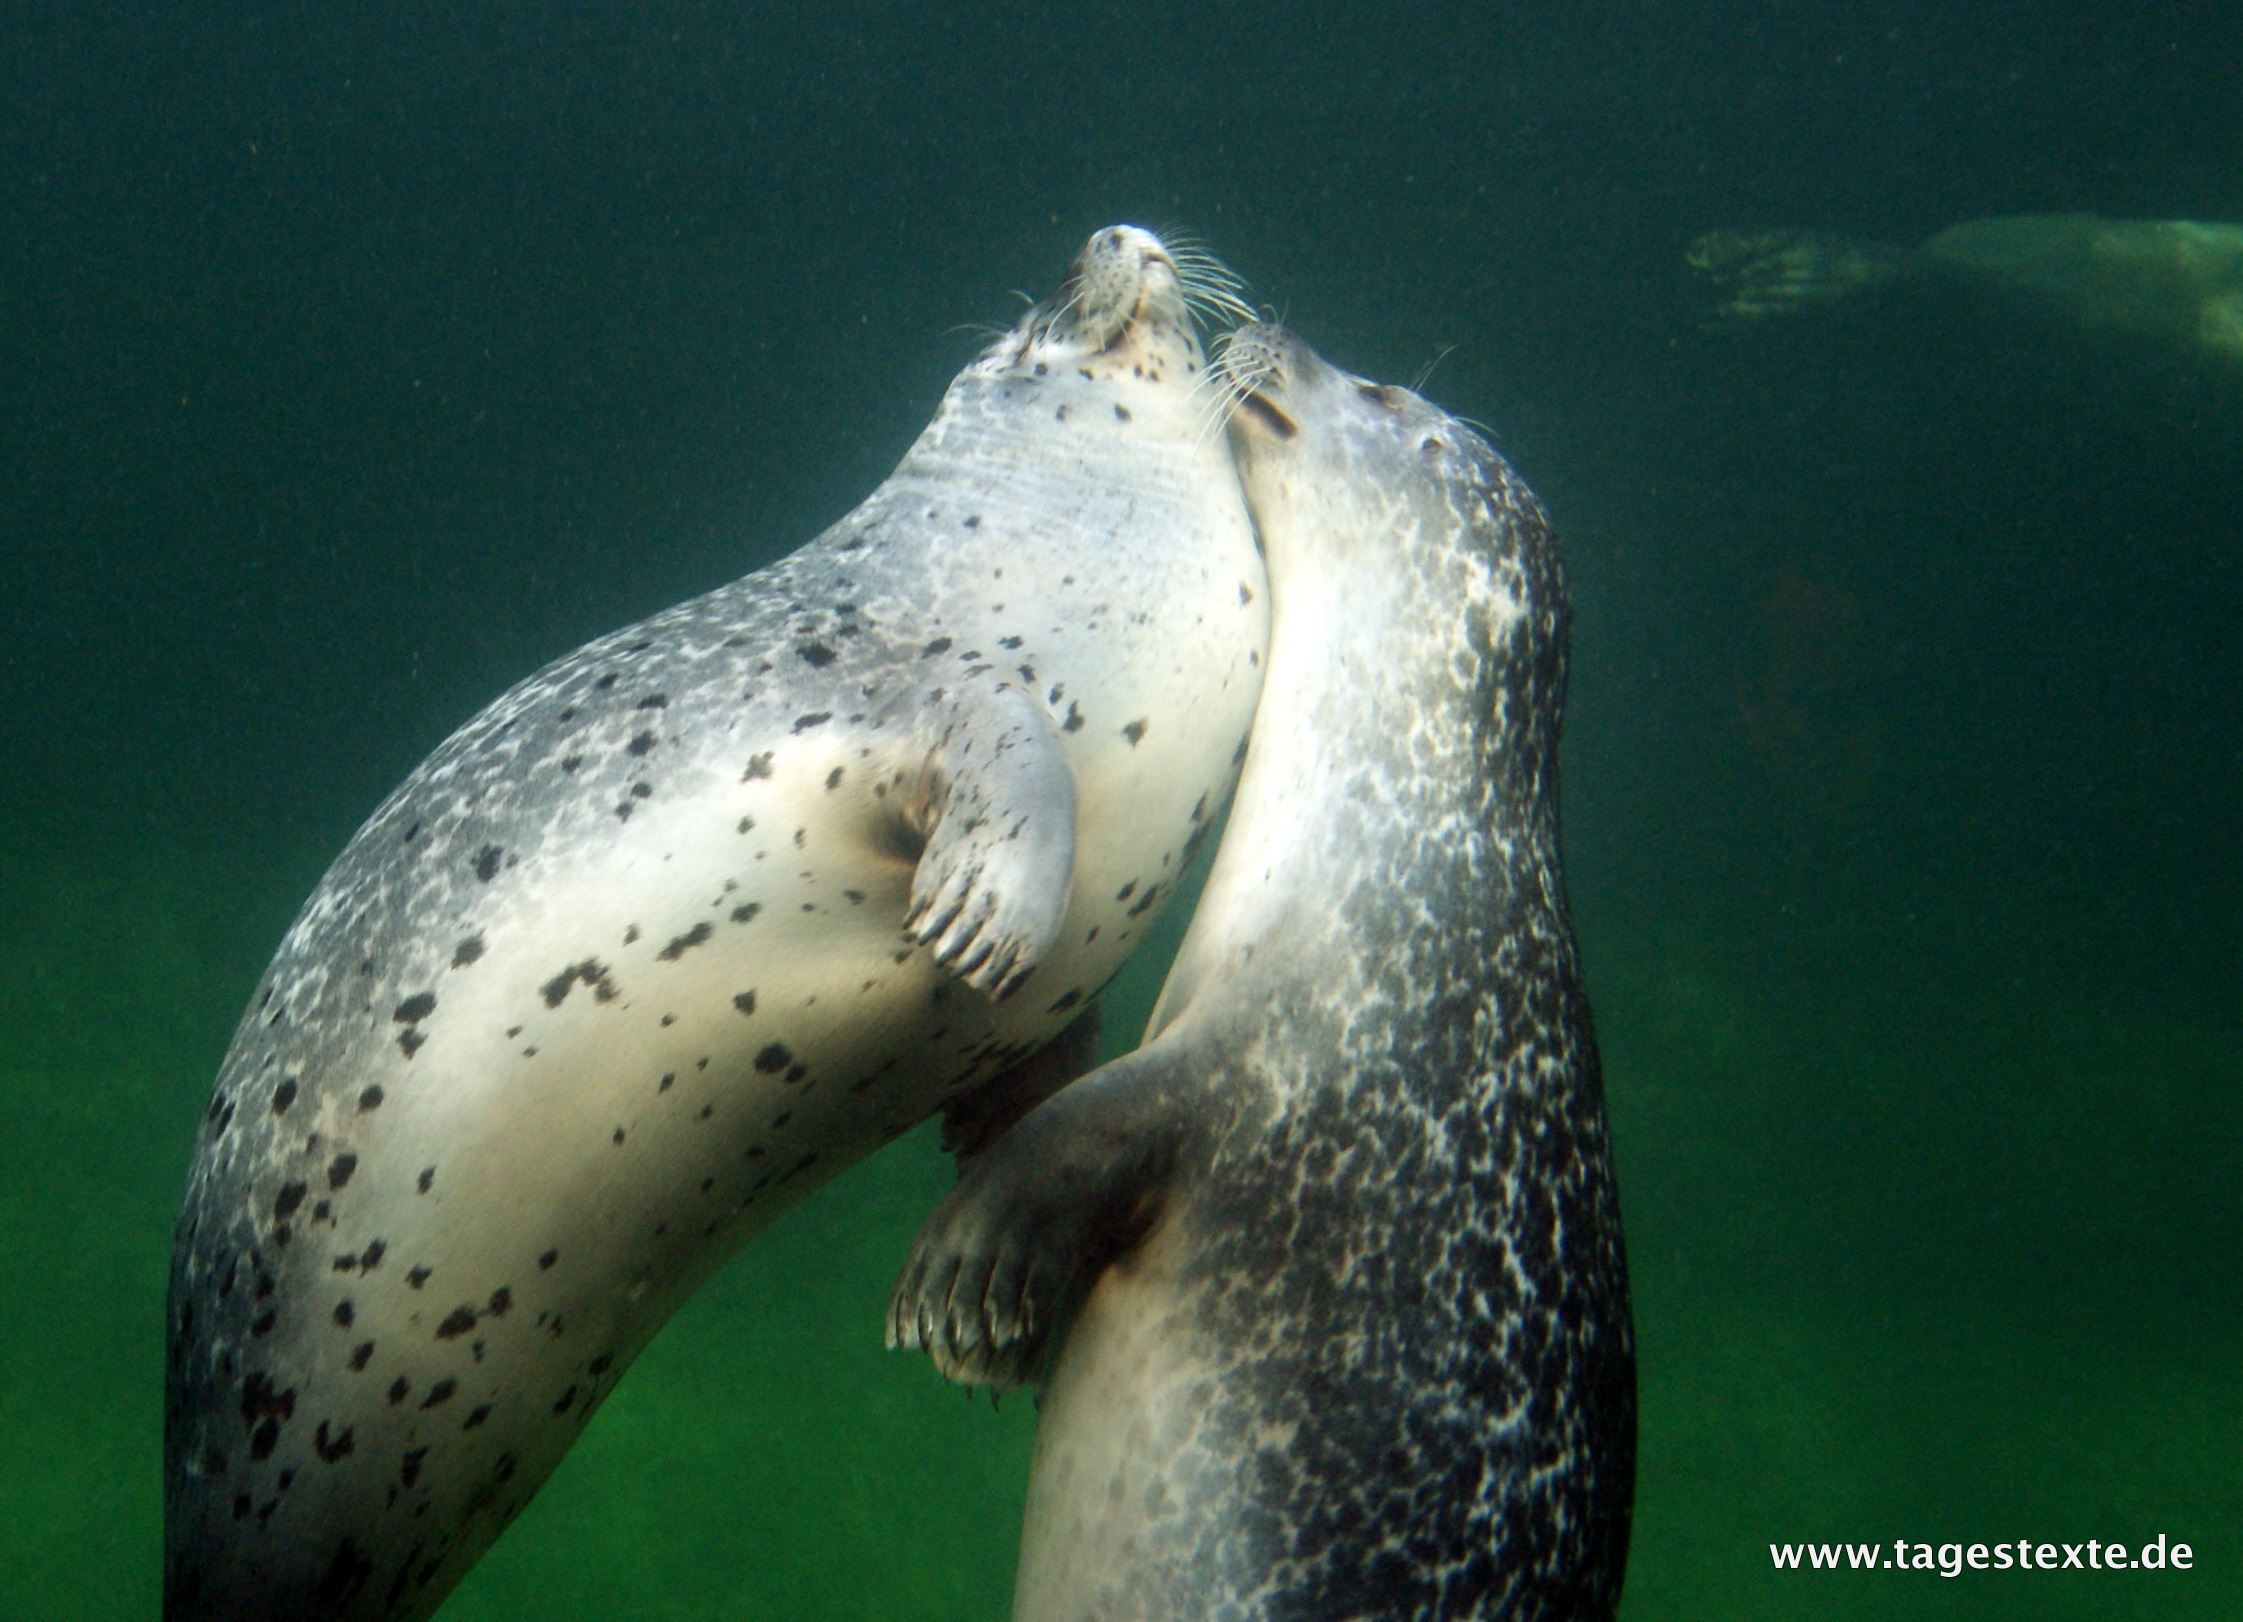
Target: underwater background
356	361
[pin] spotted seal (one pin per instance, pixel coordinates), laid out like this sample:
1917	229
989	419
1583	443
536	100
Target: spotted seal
1356	1338
2175	284
683	925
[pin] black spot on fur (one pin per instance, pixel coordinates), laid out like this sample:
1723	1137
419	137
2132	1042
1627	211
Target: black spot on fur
399	1389
546	1261
348	1572
682	944
338	1448
655	701
744	1001
1074	721
803	723
284	1095
641	744
600	1365
745	911
758	766
285	1202
372	1258
456	1323
260	1400
370	1098
486	862
562	1403
428	1176
467	951
417	1276
482	1412
410	1040
591	971
411	1471
1134	732
361	1355
1066	1002
344	1315
833	779
501	1299
773	1058
940	644
816	655
340	1168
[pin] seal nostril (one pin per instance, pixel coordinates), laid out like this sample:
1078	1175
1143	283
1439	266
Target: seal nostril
1270	417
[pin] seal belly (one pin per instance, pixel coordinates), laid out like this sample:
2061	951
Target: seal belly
1120	1480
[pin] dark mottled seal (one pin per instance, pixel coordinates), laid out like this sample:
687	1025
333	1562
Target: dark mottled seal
1356	1339
680	927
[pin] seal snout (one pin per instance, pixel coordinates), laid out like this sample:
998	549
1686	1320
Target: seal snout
1254	369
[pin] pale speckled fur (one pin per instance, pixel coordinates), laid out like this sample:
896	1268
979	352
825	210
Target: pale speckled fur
487	1204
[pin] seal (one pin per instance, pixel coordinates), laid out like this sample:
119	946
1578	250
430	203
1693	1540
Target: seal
1356	1338
681	926
2176	284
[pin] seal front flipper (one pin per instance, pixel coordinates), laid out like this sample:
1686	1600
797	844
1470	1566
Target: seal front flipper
996	802
998	1268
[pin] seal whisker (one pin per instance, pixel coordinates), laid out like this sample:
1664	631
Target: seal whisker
1215	293
1417	384
1220	402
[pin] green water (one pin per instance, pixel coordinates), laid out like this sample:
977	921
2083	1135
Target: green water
349	369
